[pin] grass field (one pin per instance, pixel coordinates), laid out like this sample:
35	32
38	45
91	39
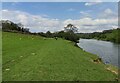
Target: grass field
27	57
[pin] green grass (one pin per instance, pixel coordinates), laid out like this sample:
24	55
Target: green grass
25	58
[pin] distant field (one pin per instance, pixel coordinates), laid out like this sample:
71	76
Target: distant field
27	57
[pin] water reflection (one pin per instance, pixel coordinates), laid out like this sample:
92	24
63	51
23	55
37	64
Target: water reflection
108	51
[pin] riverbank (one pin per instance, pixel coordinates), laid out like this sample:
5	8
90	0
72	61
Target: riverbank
30	57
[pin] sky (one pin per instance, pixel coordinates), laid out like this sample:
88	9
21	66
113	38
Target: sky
54	16
60	0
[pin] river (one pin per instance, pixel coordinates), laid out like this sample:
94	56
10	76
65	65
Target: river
108	51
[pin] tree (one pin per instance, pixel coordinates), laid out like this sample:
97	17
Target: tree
48	34
13	27
71	28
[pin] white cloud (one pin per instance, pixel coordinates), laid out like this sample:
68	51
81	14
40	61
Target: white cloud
71	9
90	21
91	2
91	25
108	13
86	13
22	19
34	22
38	23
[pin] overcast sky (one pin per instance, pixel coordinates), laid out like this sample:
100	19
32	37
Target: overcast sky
53	16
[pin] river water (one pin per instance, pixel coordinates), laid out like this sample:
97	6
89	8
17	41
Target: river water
108	51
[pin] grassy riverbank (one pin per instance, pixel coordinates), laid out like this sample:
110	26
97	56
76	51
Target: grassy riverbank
28	57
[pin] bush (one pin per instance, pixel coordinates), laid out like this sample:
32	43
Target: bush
71	36
65	35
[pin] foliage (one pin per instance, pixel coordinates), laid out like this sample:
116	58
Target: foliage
108	35
70	28
12	27
65	35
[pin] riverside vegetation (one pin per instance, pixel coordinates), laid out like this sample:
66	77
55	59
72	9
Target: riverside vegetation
107	35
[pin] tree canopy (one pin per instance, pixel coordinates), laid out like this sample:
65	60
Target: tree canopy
71	28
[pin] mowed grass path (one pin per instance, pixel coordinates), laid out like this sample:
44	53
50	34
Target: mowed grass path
27	57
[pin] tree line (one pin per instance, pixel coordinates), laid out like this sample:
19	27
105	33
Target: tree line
68	33
107	35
